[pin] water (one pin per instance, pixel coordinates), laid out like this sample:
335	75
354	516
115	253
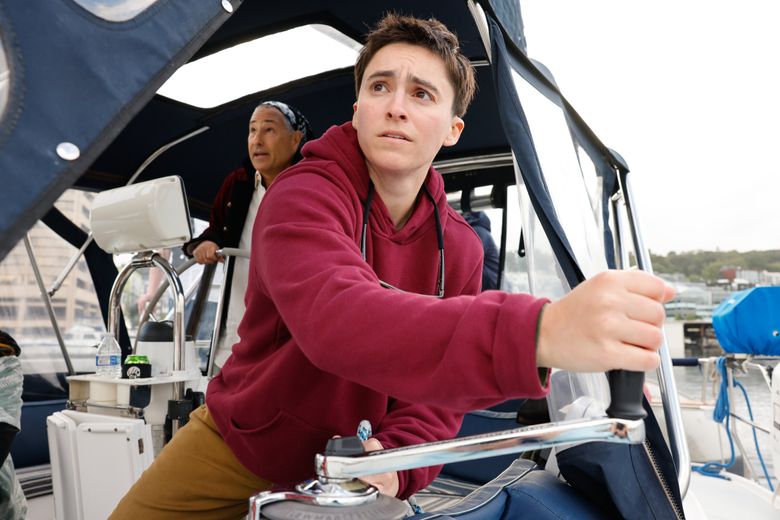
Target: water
689	382
108	358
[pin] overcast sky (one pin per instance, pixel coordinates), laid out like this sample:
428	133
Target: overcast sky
688	92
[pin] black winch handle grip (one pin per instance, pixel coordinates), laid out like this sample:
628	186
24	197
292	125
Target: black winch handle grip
626	390
345	447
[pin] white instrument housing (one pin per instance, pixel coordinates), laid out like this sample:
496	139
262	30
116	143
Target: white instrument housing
141	217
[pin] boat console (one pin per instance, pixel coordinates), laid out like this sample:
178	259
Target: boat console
125	420
140	219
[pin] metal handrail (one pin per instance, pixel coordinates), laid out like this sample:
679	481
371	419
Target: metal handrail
476	162
228	253
669	396
146	259
147	312
70	265
47	304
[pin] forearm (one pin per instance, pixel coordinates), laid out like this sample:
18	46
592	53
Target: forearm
409	424
210	234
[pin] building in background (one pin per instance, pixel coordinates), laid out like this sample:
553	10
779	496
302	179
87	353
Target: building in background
697	300
22	312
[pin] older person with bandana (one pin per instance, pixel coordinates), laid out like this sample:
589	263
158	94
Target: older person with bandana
276	133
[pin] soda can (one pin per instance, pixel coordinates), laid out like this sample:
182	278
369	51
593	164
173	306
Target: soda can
136	366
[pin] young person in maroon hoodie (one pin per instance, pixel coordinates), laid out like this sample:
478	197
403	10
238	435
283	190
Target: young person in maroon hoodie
352	312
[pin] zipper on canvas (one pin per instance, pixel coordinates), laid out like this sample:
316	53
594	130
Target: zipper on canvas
664	485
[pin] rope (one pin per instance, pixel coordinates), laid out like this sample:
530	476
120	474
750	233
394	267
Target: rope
722	415
755	438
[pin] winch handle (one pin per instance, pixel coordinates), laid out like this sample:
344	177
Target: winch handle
625	388
345	447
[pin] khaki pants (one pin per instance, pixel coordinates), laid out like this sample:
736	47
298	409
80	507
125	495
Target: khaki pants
196	476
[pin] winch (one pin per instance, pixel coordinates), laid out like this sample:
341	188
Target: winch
315	500
337	493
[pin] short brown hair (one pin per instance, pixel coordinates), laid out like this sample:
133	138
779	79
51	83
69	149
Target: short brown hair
430	34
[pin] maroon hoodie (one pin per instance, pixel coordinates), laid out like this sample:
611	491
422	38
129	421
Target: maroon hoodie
324	346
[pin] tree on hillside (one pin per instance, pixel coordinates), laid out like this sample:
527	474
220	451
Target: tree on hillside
706	265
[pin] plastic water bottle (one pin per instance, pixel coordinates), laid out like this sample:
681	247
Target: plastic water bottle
108	358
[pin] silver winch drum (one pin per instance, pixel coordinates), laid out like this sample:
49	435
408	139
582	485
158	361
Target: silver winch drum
384	508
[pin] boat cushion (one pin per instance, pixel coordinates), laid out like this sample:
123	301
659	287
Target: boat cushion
31	446
479	422
522	491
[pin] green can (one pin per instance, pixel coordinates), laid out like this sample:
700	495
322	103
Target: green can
136	366
136	359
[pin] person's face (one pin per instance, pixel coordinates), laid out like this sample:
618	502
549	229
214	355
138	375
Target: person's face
403	114
270	142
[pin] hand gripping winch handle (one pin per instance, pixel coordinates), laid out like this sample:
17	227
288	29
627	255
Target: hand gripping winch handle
625	388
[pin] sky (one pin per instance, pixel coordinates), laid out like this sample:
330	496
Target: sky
688	92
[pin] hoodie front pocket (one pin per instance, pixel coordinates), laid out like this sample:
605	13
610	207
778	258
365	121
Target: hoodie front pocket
282	448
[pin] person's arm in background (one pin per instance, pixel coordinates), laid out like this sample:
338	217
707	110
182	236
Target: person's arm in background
204	246
206	253
155	279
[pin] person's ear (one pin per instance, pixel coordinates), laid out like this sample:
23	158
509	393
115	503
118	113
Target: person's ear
456	128
354	114
296	140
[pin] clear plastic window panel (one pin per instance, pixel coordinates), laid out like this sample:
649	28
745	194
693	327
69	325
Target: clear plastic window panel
536	270
515	276
24	315
546	279
624	238
23	311
593	184
575	191
115	10
572	190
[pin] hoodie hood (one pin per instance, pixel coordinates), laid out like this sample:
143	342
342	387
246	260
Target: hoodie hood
337	155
